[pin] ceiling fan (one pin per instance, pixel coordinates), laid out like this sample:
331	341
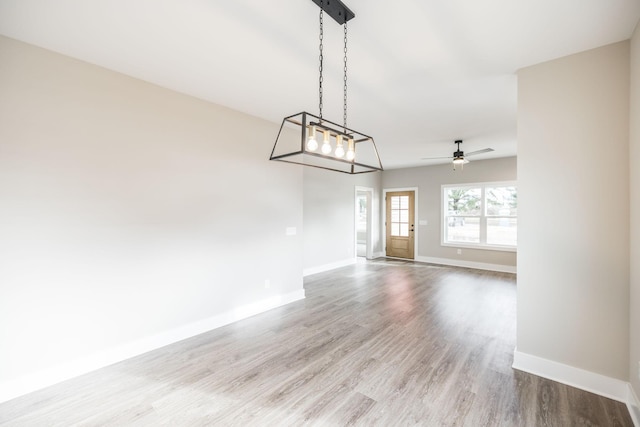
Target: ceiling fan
459	157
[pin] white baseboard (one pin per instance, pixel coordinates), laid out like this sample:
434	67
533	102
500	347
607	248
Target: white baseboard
633	404
330	266
41	379
468	264
585	380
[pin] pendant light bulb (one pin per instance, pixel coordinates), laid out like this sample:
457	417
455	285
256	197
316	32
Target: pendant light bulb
312	144
351	153
326	145
339	147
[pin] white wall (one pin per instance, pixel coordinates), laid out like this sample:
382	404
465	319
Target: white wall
129	212
634	195
429	181
329	217
573	178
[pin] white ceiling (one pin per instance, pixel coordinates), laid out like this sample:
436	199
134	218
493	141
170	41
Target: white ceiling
422	73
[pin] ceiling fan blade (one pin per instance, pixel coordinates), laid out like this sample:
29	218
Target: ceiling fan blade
484	150
436	158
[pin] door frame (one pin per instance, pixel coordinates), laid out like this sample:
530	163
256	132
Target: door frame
369	232
415	218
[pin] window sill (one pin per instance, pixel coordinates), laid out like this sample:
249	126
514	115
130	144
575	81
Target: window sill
481	247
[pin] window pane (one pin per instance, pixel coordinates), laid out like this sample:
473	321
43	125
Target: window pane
404	230
395	229
404	202
468	231
455	221
395	202
395	216
502	201
502	231
404	216
463	201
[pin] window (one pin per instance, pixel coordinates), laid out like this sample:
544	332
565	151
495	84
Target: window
480	215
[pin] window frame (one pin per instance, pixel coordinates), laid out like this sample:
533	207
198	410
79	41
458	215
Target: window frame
482	244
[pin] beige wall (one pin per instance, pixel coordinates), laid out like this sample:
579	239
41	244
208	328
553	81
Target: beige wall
127	210
329	216
573	178
429	181
634	192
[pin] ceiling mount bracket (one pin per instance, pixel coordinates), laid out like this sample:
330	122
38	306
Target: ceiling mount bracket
336	9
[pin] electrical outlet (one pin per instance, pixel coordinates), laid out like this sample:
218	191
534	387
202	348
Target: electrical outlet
639	370
459	251
267	284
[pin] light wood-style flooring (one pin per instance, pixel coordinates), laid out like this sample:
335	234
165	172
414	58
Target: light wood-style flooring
382	343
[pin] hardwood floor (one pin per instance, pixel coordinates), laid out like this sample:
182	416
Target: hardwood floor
386	343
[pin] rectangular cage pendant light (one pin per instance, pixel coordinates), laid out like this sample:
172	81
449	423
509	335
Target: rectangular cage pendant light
293	145
310	140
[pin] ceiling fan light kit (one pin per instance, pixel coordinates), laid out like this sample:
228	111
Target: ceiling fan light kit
458	156
298	138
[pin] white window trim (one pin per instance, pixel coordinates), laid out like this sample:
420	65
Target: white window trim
482	246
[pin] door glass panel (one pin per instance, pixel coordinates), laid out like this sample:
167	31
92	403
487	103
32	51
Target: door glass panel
404	202
395	229
400	216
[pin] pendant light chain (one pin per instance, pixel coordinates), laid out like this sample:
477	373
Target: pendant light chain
325	144
321	57
344	117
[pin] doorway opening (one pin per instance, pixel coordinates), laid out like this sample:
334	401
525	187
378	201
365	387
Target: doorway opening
363	205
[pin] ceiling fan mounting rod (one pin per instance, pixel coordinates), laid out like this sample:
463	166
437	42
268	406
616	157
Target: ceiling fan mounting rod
458	152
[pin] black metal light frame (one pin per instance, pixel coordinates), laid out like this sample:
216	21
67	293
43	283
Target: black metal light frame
289	149
294	150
